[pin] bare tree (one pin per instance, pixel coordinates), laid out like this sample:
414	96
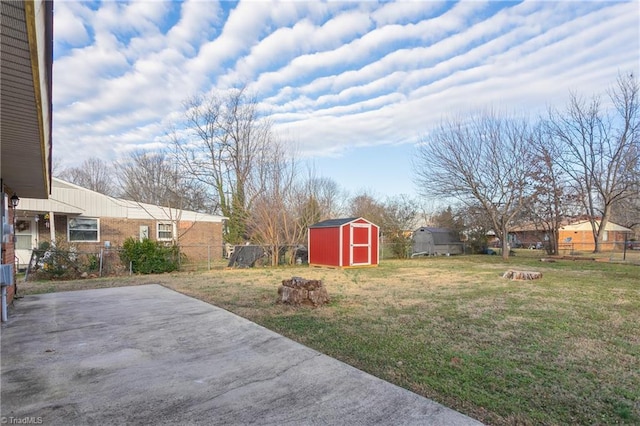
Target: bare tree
627	212
451	219
400	213
309	210
153	178
224	139
93	174
366	205
478	227
311	200
483	161
326	193
468	222
396	218
272	221
600	150
553	200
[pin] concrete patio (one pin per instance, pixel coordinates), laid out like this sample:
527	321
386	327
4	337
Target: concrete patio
149	355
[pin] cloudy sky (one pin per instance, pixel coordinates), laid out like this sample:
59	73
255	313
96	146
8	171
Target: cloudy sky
353	84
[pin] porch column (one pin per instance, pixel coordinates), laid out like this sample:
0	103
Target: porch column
52	227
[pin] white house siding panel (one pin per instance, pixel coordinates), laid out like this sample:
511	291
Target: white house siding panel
146	211
200	217
94	204
62	184
44	206
586	226
70	199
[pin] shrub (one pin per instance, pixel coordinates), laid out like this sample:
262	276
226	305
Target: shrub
150	257
92	263
400	245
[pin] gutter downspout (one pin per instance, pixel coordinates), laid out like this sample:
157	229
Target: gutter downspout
6	279
4	303
4	287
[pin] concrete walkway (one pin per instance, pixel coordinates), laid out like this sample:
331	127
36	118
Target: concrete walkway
149	355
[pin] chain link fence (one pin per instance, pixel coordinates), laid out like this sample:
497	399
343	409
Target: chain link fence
52	263
614	251
201	257
71	263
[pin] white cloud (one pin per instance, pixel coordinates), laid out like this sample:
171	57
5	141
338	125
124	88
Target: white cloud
404	11
80	74
334	75
197	24
70	26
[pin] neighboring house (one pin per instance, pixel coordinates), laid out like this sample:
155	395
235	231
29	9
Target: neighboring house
528	236
573	236
26	60
90	221
429	241
578	236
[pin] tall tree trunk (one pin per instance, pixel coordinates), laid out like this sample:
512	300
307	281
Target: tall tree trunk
505	243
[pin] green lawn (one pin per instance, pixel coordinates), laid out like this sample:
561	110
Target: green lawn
564	349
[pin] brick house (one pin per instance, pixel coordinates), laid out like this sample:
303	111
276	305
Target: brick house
578	236
573	236
89	220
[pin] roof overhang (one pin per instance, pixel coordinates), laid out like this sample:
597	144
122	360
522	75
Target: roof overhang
586	226
26	59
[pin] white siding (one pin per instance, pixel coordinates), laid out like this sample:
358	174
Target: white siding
67	198
586	226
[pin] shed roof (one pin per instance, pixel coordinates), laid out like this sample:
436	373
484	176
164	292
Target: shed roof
434	230
332	223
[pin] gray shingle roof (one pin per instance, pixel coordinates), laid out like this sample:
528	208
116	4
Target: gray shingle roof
332	223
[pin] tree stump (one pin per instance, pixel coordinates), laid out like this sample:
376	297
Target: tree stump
298	291
522	275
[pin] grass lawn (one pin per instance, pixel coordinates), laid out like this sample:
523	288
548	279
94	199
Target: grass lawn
564	349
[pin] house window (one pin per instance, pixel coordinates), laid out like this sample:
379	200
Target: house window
83	229
165	232
23	242
23	235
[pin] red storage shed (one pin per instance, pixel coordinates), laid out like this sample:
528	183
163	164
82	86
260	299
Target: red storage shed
343	243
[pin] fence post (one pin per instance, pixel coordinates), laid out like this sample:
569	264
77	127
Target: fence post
100	270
